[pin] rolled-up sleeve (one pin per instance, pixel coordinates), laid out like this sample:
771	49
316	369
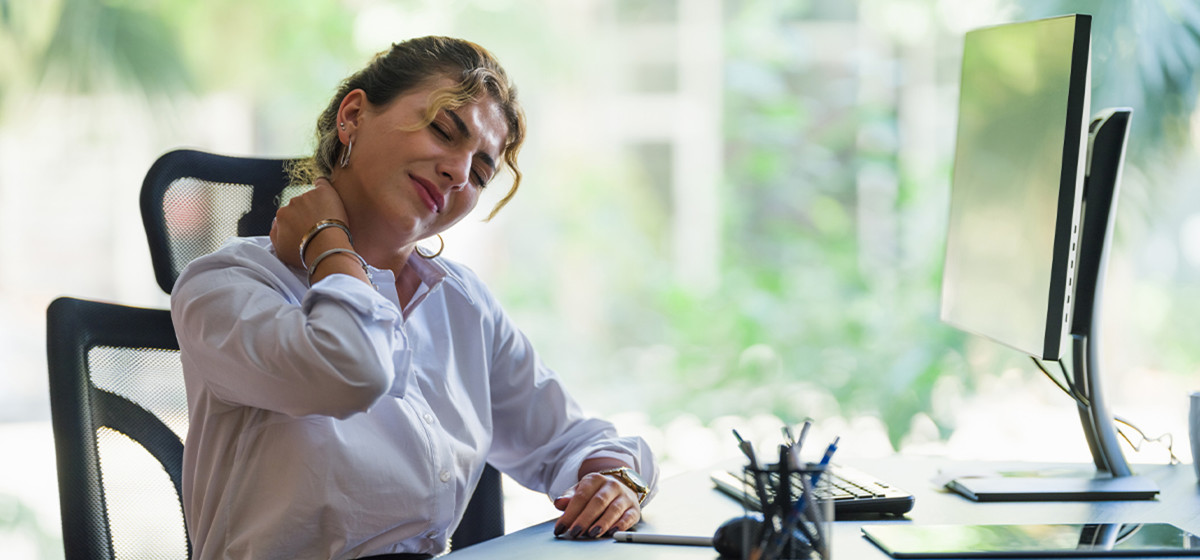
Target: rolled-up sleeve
262	343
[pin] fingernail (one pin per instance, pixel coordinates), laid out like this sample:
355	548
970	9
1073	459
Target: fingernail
559	529
575	531
610	533
595	532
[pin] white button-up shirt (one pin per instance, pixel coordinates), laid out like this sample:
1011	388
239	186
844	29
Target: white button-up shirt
327	423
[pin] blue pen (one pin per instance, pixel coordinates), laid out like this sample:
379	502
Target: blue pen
825	460
799	505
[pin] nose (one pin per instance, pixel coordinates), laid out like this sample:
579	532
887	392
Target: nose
455	170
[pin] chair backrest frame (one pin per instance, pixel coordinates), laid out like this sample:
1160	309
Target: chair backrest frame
79	409
268	177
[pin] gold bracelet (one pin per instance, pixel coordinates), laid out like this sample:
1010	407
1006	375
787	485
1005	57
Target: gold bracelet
312	234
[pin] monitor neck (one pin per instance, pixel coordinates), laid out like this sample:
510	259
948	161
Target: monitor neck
1107	140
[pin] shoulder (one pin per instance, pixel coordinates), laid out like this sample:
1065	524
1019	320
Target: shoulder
248	258
460	273
237	249
460	278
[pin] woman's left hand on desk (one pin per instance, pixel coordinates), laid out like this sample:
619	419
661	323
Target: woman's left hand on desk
597	505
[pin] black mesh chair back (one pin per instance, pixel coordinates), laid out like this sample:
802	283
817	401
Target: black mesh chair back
119	414
193	201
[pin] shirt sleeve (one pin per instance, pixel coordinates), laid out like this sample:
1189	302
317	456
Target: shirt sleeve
541	435
254	340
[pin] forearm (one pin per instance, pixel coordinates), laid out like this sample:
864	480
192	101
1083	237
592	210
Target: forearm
597	464
335	263
243	325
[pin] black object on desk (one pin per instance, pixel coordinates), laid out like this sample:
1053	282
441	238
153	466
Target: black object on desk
857	491
1044	541
1051	488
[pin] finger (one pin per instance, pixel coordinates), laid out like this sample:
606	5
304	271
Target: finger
577	499
562	501
593	510
617	509
626	522
622	512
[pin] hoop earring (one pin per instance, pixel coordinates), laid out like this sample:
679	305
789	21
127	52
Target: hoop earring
346	155
439	251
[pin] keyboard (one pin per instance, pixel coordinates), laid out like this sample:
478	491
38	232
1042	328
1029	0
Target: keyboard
853	491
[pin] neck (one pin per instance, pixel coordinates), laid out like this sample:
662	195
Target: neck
382	256
374	241
407	280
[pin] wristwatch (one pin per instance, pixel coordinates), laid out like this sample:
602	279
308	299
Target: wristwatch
630	478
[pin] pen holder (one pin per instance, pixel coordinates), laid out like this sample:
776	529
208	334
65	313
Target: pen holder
797	513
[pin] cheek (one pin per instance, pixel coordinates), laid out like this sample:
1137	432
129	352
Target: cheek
469	199
463	203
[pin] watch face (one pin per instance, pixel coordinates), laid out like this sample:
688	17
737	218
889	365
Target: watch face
636	479
631	477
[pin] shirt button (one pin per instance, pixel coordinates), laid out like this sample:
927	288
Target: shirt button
445	476
428	418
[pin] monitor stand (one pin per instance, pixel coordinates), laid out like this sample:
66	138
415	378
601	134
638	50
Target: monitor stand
1112	478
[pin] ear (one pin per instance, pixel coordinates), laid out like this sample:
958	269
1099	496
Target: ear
349	114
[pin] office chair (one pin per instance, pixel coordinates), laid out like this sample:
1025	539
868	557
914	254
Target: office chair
193	201
119	415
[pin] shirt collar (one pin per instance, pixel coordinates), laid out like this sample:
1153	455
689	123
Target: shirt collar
433	272
430	272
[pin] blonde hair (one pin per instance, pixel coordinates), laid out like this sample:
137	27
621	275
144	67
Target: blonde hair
409	65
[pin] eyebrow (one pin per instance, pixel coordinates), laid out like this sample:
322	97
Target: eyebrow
466	133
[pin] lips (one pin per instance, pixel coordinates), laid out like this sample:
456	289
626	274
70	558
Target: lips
429	194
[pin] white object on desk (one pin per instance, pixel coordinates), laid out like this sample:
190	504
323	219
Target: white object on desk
1194	430
651	538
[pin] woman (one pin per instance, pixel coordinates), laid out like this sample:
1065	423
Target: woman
346	389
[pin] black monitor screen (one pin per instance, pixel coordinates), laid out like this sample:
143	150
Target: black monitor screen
1018	172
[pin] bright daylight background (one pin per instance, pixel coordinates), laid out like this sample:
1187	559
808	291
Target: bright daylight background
733	213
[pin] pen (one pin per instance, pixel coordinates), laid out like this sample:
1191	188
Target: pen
759	484
747	449
650	538
804	432
816	476
825	460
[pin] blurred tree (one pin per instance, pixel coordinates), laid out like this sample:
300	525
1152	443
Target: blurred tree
164	49
1145	55
796	288
101	46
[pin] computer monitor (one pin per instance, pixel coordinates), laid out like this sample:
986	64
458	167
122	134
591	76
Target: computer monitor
1030	210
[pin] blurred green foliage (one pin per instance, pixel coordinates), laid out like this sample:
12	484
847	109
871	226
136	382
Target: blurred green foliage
799	284
20	530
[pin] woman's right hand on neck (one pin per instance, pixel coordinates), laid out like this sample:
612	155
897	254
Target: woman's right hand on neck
299	216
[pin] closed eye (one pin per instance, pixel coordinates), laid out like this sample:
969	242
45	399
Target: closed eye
440	130
481	179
